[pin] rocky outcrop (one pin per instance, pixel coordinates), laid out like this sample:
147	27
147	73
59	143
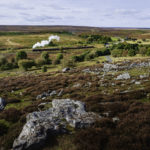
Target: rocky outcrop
109	67
2	103
44	95
54	120
124	76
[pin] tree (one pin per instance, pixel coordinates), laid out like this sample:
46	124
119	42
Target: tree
26	64
98	53
148	52
56	61
131	52
116	53
44	69
90	56
3	60
143	51
60	56
21	55
39	62
45	57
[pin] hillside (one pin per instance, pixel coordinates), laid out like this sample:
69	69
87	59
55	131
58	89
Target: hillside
86	89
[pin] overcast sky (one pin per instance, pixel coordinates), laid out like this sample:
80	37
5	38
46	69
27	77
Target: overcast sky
100	13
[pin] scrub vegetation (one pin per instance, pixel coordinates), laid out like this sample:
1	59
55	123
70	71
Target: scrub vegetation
92	76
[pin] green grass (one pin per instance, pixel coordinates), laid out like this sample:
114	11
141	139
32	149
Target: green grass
19	105
27	40
145	100
138	71
6	123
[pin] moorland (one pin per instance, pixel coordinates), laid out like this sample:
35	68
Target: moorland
111	78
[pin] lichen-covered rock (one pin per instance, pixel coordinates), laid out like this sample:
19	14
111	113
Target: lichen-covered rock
124	76
108	67
2	103
46	94
53	120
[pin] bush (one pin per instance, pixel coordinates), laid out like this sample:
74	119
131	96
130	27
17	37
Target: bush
131	52
40	62
44	69
5	65
105	51
126	46
99	53
143	51
98	38
148	52
21	55
52	44
45	57
57	61
80	58
3	60
90	56
13	60
60	56
26	64
69	63
116	53
8	66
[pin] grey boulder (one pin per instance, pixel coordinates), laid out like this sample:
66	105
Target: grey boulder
2	103
39	125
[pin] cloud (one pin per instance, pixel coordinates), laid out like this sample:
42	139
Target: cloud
80	12
41	18
126	11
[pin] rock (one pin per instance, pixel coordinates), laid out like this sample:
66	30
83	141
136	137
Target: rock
60	93
44	95
39	97
113	84
54	120
65	70
77	85
148	95
115	119
143	76
42	104
137	83
53	93
124	76
133	81
86	70
2	103
88	84
107	67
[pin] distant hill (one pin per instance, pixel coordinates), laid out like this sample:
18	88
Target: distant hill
120	32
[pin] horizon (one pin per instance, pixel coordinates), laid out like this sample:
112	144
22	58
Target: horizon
96	13
77	26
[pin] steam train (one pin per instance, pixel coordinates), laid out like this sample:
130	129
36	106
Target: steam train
63	48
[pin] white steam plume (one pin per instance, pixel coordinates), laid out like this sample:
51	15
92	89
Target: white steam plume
46	42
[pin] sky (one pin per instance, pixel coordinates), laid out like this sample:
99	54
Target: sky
98	13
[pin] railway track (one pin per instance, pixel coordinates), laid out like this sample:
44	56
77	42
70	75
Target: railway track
64	48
